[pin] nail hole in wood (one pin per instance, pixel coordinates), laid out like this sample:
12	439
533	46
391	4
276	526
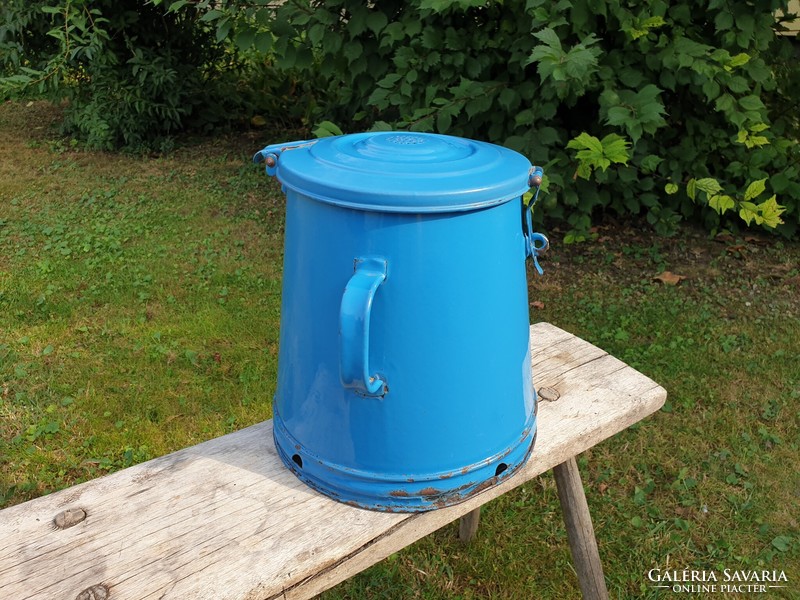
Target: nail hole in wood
96	592
68	518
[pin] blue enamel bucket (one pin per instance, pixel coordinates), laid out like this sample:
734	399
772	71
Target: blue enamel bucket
404	369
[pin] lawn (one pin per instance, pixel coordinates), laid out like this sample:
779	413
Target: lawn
139	314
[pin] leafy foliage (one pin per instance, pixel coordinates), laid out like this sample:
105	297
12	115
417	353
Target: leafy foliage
598	154
687	88
692	91
132	74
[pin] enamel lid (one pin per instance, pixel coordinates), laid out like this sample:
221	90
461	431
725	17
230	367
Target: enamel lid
403	171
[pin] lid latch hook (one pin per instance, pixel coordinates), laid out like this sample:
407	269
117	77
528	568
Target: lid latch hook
536	244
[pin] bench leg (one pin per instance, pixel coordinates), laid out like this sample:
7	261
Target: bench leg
468	525
580	532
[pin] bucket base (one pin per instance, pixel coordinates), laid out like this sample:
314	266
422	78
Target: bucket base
401	493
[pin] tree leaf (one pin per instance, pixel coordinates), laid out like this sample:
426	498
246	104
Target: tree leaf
376	21
721	203
263	41
725	103
352	50
381	126
389	81
316	33
691	188
244	39
748	213
641	28
584	140
223	28
771	212
211	15
436	5
755	189
669	278
738	85
739	60
615	148
443	121
671	188
709	185
176	6
650	163
549	38
723	20
327	129
751	103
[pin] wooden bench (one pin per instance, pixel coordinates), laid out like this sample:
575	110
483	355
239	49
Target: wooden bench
224	519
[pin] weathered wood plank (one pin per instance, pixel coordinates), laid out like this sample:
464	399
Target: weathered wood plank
468	525
580	531
225	520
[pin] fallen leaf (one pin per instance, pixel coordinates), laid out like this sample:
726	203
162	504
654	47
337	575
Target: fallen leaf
258	121
602	487
725	238
751	239
792	281
537	305
669	278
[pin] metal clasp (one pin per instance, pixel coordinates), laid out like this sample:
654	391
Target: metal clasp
536	244
271	153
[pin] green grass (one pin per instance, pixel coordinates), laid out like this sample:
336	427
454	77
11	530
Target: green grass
139	314
139	306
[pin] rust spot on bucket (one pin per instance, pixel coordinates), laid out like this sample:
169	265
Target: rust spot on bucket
430	491
483	486
399	493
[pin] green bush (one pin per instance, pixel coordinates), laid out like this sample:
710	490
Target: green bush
672	110
132	74
681	110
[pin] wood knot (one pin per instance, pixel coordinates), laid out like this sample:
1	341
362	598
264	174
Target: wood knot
68	518
96	592
549	394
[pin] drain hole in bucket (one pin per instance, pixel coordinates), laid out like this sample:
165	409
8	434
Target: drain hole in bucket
297	460
500	468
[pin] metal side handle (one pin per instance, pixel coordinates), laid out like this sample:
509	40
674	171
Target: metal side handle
354	321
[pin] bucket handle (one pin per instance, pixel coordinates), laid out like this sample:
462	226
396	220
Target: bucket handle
354	320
